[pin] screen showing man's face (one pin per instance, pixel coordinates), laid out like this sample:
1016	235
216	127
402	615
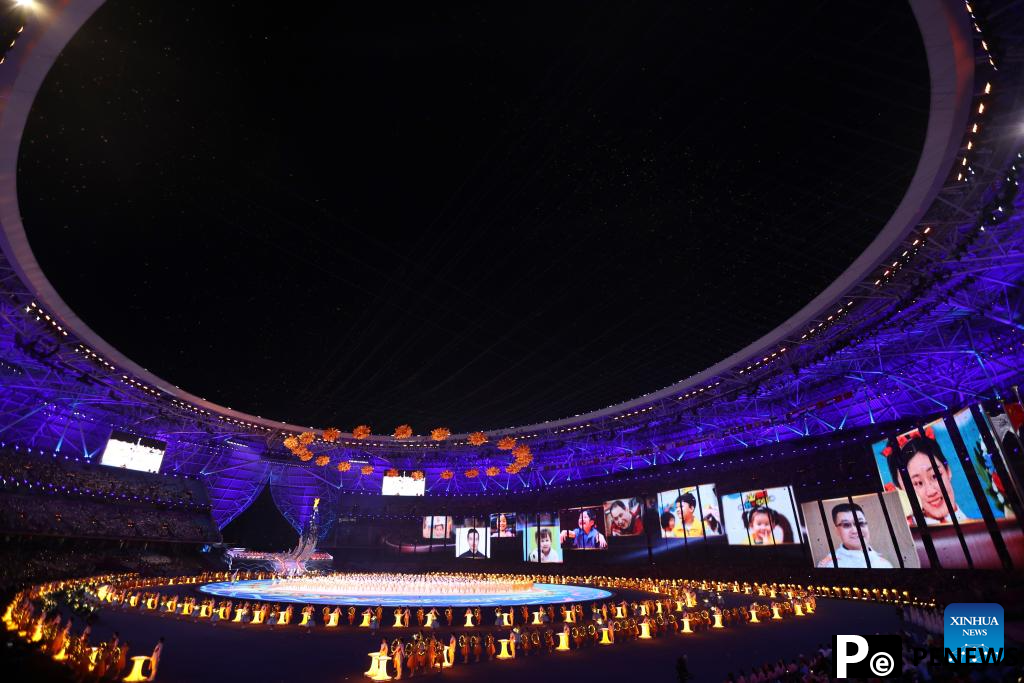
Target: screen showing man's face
473	539
621	518
846	527
586	523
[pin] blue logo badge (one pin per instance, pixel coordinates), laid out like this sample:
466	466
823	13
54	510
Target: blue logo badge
976	629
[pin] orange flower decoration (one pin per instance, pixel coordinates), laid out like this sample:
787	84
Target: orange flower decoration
306	438
440	434
472	473
507	443
521	452
362	432
513	469
477	439
367	469
344	466
323	460
331	434
418	475
447	474
291	443
305	455
403	432
492	471
391	473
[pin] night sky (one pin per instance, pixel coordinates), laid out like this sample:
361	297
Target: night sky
475	215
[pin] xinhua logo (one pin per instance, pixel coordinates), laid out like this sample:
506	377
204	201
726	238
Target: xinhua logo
867	656
973	632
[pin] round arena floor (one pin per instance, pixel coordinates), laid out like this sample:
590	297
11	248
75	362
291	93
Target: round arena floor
272	591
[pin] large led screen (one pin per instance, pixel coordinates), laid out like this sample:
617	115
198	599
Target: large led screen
540	538
761	518
403	486
624	516
503	525
936	477
583	528
472	543
437	527
691	512
133	452
927	470
860	532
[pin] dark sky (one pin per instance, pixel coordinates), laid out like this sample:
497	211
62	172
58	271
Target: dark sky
467	214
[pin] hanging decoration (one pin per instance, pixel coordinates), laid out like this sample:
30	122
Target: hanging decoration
306	438
331	434
447	474
418	475
291	443
506	444
492	471
403	431
323	460
440	434
367	469
513	469
344	466
472	473
305	455
361	432
477	439
391	473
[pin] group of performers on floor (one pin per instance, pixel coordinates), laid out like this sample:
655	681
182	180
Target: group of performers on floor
404	584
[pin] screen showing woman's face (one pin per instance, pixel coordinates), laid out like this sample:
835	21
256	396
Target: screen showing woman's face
926	485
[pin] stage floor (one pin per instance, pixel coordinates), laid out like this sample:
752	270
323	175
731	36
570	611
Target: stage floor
540	594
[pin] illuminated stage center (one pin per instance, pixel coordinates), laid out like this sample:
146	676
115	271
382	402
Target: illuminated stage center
405	590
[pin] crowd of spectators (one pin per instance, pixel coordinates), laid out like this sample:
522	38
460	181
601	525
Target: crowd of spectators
73	478
58	516
52	495
803	669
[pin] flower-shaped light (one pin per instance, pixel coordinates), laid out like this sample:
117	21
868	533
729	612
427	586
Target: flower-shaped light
418	475
344	466
331	434
362	432
521	452
506	444
513	469
472	473
323	460
391	473
291	443
447	474
477	439
306	438
492	471
304	455
440	434
403	431
367	469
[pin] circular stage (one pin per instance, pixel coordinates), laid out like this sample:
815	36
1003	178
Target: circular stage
277	591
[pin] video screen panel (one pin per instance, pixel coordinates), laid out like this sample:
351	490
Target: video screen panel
583	528
927	469
690	512
929	484
472	543
761	518
854	533
984	462
503	525
540	538
403	486
133	452
437	528
624	516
